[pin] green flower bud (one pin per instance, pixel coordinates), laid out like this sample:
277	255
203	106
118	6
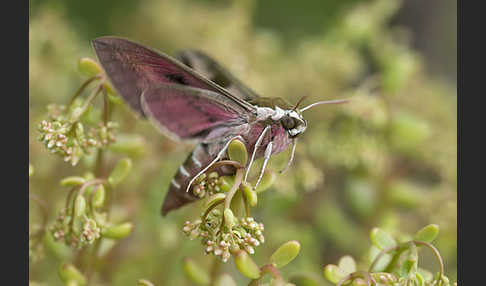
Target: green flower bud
237	152
72	181
250	194
246	265
382	239
267	181
195	273
68	272
89	67
118	231
347	264
427	234
285	253
333	273
79	206
120	171
229	218
98	197
224	280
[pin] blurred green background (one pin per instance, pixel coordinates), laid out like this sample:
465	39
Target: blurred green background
387	159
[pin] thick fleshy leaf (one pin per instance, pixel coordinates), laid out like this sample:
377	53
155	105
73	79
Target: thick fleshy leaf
267	181
285	253
118	231
72	181
304	280
382	239
195	273
250	194
333	273
98	197
89	67
79	206
347	264
246	265
120	171
224	280
68	272
237	152
427	234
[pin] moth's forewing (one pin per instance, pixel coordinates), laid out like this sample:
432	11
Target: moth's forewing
191	113
134	68
213	71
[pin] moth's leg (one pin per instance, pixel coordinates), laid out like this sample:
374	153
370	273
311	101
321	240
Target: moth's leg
294	144
257	144
268	153
220	154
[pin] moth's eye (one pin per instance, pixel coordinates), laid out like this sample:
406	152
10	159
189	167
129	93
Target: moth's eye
288	122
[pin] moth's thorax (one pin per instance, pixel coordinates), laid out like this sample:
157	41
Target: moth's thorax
291	120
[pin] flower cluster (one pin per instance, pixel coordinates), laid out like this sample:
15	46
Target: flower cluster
76	233
221	240
63	133
208	184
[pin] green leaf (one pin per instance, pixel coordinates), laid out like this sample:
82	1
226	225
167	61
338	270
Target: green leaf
224	280
333	273
195	273
382	239
120	171
246	265
133	145
237	152
267	181
98	196
214	199
347	264
285	253
31	170
118	231
303	280
144	282
427	234
250	194
89	67
229	218
226	183
68	272
79	206
72	181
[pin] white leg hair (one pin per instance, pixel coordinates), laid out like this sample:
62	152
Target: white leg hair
257	144
268	153
220	153
294	144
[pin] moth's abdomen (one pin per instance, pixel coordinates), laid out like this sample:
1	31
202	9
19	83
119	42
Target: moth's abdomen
177	196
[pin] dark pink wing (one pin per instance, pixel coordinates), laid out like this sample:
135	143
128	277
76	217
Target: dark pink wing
188	113
134	68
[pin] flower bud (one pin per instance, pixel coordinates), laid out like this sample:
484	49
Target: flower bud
118	231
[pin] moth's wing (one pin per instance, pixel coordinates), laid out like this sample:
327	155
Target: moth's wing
133	68
188	113
213	71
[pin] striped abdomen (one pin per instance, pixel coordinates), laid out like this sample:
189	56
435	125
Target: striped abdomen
199	158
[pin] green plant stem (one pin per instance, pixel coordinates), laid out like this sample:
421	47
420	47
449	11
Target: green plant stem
82	88
378	257
436	253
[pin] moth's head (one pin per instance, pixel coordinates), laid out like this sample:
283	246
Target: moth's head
294	123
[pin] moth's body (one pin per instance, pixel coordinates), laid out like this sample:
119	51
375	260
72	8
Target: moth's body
192	98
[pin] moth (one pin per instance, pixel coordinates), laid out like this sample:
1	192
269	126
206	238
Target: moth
192	98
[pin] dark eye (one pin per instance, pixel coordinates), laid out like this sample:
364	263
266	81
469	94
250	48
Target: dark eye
288	122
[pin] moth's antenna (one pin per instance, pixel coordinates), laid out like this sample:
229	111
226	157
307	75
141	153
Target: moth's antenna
299	102
337	101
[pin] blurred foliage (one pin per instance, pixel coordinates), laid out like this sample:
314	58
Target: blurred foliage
386	159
